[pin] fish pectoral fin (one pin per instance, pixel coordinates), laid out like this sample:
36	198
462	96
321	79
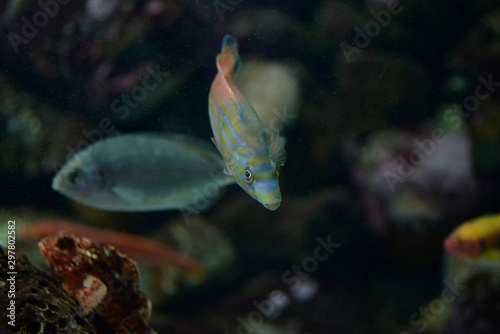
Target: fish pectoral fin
225	67
227	170
130	195
278	148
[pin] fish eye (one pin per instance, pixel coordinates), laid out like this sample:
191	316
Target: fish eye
65	243
248	175
76	176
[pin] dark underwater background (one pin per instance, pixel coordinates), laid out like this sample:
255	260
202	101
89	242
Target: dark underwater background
391	112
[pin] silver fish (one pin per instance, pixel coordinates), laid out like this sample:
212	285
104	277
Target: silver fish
144	172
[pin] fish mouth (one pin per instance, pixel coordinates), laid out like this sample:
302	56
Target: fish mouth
272	206
56	183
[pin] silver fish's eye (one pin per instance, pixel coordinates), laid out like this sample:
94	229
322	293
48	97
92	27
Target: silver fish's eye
75	177
248	175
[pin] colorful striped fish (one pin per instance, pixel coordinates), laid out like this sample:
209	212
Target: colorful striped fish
477	239
251	157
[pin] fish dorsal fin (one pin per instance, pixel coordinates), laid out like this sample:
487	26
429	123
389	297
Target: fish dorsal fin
130	195
228	64
278	148
225	66
227	169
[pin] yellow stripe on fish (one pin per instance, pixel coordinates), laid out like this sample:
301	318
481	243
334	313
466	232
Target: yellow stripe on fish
251	158
478	238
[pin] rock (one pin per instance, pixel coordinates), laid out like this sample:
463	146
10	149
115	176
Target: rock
41	304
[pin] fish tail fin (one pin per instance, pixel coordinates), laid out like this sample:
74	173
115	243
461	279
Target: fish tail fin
230	45
228	60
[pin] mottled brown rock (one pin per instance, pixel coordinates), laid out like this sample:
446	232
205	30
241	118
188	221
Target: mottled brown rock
42	306
100	279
